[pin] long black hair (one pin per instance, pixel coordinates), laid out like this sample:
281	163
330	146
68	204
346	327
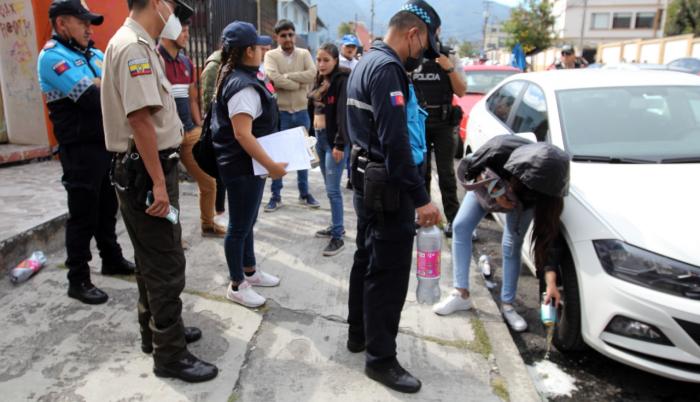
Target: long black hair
546	222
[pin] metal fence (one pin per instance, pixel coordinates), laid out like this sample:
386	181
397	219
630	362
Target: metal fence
209	19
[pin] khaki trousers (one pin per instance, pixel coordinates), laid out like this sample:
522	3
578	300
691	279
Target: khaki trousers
206	183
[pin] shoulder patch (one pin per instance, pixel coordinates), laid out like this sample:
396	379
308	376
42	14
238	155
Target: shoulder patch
139	67
50	44
397	98
60	67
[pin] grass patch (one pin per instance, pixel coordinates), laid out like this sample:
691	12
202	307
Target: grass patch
233	397
498	385
481	343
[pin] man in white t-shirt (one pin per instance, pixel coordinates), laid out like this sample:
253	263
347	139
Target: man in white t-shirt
348	51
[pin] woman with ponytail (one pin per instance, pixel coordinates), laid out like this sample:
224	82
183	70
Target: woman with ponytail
244	110
528	182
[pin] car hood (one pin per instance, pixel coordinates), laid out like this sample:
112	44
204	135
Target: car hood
652	206
468	101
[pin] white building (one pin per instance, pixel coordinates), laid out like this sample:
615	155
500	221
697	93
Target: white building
588	23
299	12
495	37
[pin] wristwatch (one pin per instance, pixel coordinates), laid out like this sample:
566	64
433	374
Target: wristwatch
450	70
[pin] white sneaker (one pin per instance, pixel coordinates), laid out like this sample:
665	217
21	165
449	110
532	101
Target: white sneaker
453	302
245	295
263	279
514	320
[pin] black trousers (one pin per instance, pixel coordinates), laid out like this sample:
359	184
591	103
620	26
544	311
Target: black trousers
160	262
92	207
220	196
442	139
379	278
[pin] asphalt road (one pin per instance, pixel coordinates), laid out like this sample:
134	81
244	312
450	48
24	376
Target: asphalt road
598	378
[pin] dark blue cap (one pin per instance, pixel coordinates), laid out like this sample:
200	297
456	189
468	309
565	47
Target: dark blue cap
243	34
430	17
76	8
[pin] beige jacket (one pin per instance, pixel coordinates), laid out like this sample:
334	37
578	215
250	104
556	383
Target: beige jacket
292	77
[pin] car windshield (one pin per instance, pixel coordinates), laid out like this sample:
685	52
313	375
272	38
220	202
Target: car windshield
481	82
643	124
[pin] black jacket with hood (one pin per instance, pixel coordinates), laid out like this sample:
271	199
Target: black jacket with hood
335	101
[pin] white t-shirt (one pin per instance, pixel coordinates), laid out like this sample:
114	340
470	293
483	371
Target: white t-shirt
246	101
348	63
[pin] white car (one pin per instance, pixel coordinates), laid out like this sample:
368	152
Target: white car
631	276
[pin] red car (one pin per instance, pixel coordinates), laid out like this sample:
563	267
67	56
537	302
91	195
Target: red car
480	80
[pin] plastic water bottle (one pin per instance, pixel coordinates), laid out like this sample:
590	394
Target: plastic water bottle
486	272
25	269
429	246
548	315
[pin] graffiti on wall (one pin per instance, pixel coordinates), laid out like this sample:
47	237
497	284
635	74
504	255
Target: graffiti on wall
20	84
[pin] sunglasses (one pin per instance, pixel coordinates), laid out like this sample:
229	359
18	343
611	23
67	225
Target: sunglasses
566	53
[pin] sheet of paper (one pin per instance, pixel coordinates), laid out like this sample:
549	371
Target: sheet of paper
286	146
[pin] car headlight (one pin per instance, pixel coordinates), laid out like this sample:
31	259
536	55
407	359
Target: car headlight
644	268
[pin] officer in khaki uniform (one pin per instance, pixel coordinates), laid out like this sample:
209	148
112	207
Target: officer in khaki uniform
142	127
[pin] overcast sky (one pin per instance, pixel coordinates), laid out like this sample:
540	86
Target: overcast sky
511	3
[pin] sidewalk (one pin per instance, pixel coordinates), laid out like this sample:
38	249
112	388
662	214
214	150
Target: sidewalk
293	349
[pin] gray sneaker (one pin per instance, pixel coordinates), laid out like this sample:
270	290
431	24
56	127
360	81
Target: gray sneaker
514	320
334	247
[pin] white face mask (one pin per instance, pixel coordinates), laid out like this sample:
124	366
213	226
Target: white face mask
172	28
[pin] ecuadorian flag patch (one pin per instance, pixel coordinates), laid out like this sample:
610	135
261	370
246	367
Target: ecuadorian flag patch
397	98
139	67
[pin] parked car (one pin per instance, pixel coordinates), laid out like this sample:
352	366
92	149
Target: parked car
480	80
634	66
686	65
630	277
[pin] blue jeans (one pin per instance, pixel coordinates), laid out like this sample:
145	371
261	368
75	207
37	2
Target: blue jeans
244	197
290	120
468	217
332	175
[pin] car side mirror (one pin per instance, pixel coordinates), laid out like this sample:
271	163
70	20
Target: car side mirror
528	136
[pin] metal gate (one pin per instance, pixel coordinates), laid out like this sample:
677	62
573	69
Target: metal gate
209	20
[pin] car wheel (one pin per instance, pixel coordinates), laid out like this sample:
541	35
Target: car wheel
459	153
567	337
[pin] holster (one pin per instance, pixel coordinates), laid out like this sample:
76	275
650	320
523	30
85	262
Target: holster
380	194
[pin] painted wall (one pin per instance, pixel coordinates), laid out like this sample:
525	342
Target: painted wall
23	103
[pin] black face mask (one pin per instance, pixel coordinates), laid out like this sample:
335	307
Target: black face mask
411	62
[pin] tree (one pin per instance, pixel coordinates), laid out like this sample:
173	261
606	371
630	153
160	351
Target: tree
346	28
530	24
683	18
467	49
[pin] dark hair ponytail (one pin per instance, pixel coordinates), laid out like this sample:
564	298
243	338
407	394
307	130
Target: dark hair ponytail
546	226
230	57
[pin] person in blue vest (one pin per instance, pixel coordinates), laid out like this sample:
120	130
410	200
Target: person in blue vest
389	189
70	71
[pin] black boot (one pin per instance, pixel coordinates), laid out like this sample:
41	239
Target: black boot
192	334
87	293
395	377
188	368
118	267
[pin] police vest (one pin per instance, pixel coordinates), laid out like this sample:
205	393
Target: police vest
432	84
232	159
66	77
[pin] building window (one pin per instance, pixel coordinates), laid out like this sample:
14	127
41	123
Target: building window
622	21
600	21
645	20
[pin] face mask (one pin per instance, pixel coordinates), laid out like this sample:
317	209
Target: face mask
172	28
411	62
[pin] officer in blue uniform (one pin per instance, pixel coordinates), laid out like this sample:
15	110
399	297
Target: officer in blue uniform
389	190
69	73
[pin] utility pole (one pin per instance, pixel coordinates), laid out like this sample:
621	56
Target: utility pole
583	26
371	29
487	13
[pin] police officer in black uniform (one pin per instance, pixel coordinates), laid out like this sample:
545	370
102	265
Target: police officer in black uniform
389	190
70	71
436	80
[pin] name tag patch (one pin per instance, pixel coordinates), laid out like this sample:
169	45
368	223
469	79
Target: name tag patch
139	67
61	67
397	98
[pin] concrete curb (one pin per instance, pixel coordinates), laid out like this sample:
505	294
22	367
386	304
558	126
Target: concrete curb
510	364
48	237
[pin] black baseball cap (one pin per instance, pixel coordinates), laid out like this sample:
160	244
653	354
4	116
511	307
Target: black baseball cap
430	17
76	8
243	34
183	11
